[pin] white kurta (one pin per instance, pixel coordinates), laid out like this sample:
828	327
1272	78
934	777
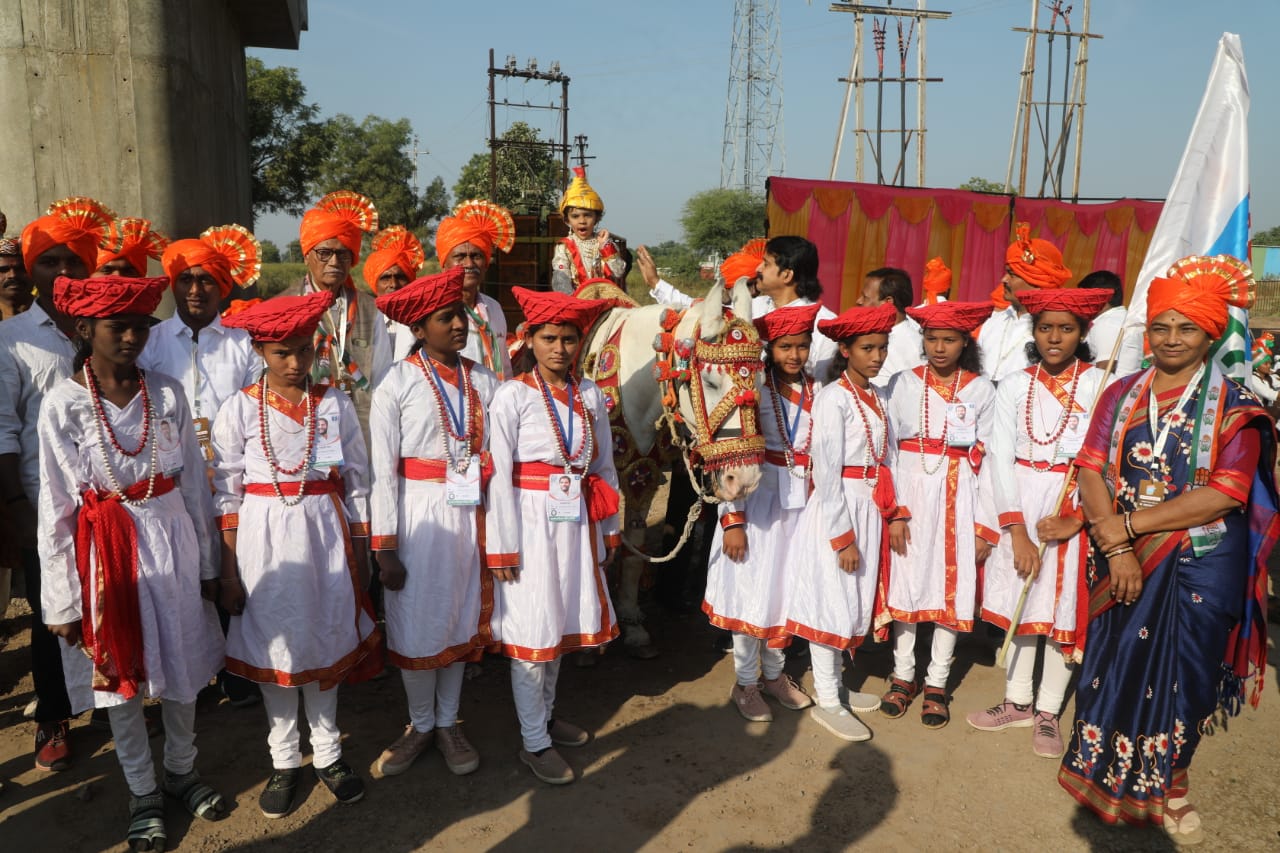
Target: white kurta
1018	494
442	613
1003	339
560	602
402	339
906	350
303	620
749	597
181	640
824	604
212	367
936	581
1104	330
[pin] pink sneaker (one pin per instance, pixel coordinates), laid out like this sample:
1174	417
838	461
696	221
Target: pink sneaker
787	692
997	718
1046	740
750	703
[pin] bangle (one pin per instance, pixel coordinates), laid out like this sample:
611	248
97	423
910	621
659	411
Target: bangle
1125	549
1128	525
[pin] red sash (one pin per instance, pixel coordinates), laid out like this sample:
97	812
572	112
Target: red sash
291	488
434	471
934	445
602	499
886	500
777	457
114	639
1042	467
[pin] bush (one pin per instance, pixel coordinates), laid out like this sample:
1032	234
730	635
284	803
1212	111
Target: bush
276	277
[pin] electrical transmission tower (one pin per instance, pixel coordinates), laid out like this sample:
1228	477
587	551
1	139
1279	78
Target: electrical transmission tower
1054	121
753	147
530	73
910	25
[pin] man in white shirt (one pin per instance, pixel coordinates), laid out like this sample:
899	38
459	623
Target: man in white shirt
1109	325
789	273
467	239
906	341
37	349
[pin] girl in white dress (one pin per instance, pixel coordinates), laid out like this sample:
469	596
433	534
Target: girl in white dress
843	538
291	481
752	550
555	489
941	414
429	442
1041	417
128	560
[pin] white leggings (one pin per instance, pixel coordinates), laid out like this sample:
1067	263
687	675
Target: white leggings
940	655
283	739
828	673
434	695
129	730
1055	675
753	658
534	687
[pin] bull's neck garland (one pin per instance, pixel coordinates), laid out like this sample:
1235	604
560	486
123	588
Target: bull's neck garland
107	435
786	431
268	450
738	357
924	420
461	426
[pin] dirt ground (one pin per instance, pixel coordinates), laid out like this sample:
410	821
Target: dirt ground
672	766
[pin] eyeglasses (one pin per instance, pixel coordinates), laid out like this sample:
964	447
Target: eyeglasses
325	255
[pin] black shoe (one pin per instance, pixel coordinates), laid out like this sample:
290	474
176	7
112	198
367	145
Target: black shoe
277	798
240	692
342	782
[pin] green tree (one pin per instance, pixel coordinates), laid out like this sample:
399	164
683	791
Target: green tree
293	255
270	252
1270	237
287	142
369	157
676	262
529	177
721	220
982	185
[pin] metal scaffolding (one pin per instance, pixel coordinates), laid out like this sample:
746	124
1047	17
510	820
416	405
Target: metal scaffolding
753	147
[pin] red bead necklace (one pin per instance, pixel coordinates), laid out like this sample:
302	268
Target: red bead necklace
268	450
924	419
789	451
1061	426
583	456
91	382
874	457
470	414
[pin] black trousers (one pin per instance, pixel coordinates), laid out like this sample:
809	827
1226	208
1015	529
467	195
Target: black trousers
52	703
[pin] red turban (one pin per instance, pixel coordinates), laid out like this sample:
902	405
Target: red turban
393	247
744	262
1085	303
961	316
788	320
109	296
1037	262
342	215
282	317
1200	288
78	223
559	308
229	253
481	223
937	280
420	299
860	320
134	240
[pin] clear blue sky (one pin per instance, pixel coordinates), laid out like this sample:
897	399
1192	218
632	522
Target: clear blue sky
649	82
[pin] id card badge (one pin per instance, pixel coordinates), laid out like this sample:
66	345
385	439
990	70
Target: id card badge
1150	493
328	452
564	497
1073	436
793	491
463	489
170	450
962	424
201	426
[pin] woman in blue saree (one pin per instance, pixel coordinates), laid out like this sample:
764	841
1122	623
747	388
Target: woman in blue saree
1177	484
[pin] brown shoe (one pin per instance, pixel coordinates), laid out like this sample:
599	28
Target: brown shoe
567	734
397	758
548	766
459	755
787	692
750	703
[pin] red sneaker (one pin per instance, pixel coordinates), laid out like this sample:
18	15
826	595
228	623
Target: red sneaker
53	751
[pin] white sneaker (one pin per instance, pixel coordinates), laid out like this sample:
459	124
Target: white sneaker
863	703
840	723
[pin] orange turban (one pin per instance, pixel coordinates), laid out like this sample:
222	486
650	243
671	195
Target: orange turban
135	241
481	223
393	247
342	215
1037	262
229	253
744	262
937	280
78	223
1200	288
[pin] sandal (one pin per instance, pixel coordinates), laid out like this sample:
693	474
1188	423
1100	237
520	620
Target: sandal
201	800
899	695
1175	820
934	712
146	823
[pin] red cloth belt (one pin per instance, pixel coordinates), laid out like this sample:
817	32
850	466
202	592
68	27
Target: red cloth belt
434	470
1055	467
602	499
114	639
291	488
933	445
884	496
886	501
775	457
